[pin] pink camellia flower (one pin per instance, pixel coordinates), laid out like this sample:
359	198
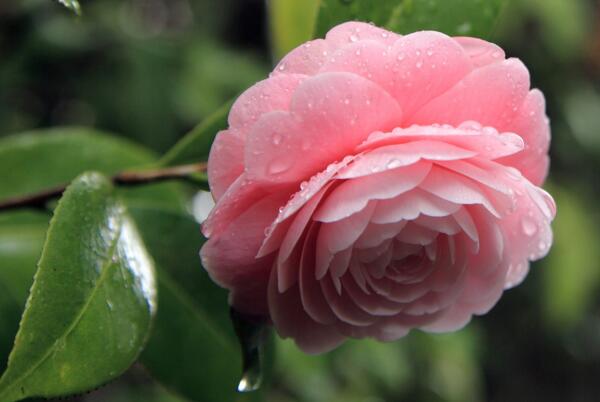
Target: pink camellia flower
376	183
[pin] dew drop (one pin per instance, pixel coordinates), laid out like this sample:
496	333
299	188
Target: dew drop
276	139
393	163
346	101
430	52
419	64
353	38
303	185
529	227
280	165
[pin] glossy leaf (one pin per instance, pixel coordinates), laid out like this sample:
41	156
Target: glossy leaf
38	160
195	146
453	17
21	239
90	307
192	349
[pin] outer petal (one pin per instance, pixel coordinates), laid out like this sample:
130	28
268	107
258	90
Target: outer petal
354	31
330	115
480	51
410	70
533	126
490	95
226	162
226	159
305	59
230	259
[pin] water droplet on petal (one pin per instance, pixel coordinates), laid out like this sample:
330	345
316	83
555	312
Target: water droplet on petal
529	227
280	165
353	38
276	139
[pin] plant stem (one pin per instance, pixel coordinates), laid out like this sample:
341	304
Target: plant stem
125	179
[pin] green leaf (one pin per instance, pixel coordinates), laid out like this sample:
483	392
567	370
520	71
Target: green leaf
21	239
292	23
192	349
453	17
37	160
72	5
90	307
34	161
195	146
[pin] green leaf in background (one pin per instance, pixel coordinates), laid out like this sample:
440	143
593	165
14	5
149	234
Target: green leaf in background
192	349
38	160
21	239
71	5
571	278
91	304
195	146
292	23
453	17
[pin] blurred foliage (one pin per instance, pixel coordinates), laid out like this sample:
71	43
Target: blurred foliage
457	17
150	70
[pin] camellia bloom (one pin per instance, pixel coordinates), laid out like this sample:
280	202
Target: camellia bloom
376	183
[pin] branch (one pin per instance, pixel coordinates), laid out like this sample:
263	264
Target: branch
126	179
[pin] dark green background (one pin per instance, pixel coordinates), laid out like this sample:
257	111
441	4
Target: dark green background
152	69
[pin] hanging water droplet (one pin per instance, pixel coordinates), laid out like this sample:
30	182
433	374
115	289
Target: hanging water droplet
252	335
529	227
